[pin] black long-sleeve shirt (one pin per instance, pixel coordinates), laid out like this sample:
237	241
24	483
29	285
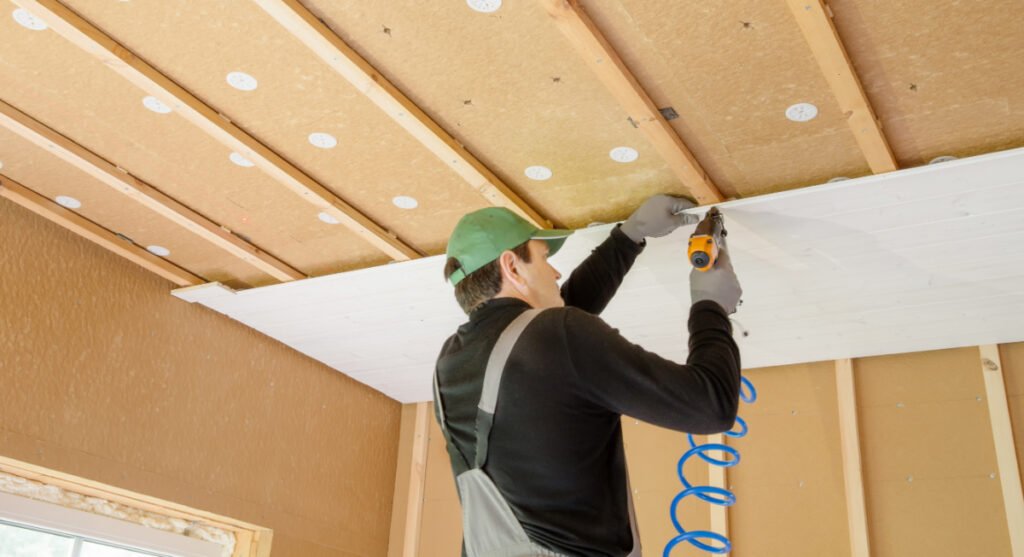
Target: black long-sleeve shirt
555	449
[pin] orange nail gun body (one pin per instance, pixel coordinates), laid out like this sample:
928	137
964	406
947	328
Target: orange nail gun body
706	239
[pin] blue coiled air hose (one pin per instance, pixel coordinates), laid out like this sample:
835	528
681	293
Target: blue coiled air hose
714	495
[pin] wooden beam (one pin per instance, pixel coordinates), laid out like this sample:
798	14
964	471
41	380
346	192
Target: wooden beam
718	477
333	51
84	35
141	192
815	21
588	41
1006	455
40	205
410	480
856	513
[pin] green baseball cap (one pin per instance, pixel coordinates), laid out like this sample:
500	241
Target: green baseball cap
481	236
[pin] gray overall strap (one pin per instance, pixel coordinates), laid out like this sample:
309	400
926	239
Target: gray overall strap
489	393
492	381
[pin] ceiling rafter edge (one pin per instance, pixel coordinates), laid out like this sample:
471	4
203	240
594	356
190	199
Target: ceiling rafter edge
606	63
331	49
89	38
815	21
123	182
42	206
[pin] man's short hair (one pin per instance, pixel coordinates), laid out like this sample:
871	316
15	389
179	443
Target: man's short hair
483	284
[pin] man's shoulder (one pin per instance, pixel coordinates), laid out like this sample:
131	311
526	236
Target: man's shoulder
569	317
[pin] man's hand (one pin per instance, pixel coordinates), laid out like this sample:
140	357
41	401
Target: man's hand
718	284
657	217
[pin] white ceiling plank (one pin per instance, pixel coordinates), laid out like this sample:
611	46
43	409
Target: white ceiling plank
918	259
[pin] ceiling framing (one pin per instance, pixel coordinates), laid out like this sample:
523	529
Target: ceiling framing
448	106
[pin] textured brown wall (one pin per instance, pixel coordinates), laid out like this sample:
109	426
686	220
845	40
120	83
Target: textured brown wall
105	375
922	416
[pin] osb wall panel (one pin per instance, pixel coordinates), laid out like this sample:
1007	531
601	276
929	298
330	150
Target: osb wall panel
730	69
1012	356
789	483
198	43
108	377
510	87
946	81
68	90
929	462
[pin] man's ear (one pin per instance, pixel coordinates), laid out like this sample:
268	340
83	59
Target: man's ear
509	264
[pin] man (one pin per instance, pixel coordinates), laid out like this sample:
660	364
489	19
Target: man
541	470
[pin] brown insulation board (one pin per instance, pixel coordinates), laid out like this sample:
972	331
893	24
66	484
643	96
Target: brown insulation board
652	454
51	177
920	418
68	90
510	87
198	43
928	457
441	516
730	70
944	79
1012	356
790	498
107	377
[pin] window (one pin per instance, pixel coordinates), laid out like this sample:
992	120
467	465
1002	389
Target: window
17	540
47	509
30	528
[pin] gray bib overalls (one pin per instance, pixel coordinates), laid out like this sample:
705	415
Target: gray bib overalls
489	527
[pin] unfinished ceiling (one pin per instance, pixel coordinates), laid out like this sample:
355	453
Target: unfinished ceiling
434	110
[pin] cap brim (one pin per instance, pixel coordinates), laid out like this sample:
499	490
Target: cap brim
554	238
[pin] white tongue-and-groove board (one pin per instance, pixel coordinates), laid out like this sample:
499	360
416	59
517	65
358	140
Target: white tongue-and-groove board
920	259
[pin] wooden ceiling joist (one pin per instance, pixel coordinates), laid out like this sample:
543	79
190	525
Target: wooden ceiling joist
815	21
84	35
330	48
40	205
145	194
605	62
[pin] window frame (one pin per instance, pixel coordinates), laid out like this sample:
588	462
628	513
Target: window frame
85	526
251	540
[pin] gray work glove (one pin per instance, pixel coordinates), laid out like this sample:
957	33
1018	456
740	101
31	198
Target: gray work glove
718	284
657	217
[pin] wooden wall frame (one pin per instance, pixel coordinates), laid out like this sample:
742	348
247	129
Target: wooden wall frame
853	476
1006	454
410	480
718	476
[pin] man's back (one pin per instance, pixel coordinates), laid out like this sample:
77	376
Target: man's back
555	456
555	450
